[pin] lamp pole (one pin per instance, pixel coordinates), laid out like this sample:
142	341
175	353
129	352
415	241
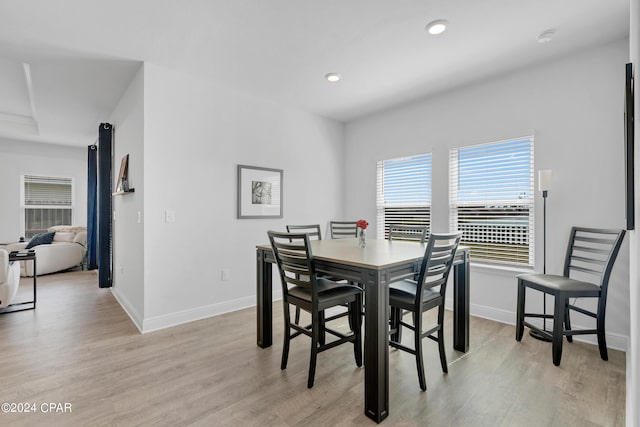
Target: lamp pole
544	183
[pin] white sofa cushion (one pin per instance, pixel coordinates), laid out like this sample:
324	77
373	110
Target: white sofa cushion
80	237
70	233
67	228
9	279
4	263
62	236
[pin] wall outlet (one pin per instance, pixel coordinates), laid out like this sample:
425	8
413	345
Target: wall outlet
169	216
139	217
226	274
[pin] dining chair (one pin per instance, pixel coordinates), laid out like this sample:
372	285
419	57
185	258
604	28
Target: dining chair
591	254
313	230
427	293
301	287
343	229
408	232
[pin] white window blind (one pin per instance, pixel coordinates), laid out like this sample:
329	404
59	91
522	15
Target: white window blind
403	192
48	201
491	197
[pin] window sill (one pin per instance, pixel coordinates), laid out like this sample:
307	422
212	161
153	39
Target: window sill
505	269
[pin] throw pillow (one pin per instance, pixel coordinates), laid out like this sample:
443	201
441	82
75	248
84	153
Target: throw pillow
41	239
62	236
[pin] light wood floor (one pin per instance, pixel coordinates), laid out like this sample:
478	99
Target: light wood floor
79	347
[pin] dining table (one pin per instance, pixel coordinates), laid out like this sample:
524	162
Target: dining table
374	267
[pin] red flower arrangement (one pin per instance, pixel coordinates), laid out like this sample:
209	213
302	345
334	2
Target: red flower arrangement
362	223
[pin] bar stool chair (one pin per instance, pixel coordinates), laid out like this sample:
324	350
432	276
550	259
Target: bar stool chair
424	295
302	288
591	252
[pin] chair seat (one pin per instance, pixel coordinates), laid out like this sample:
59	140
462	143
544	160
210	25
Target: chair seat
328	292
555	283
402	294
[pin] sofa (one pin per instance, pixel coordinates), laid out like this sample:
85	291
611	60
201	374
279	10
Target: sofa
67	250
9	278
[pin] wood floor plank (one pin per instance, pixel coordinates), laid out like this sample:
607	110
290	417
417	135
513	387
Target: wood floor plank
81	348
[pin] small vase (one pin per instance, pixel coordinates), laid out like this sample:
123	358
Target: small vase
361	238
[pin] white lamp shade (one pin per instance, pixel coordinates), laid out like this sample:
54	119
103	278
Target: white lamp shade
544	180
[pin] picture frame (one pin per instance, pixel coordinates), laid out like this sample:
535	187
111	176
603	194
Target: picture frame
260	192
629	146
122	185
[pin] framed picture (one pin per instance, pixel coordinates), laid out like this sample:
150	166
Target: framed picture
123	180
259	192
629	143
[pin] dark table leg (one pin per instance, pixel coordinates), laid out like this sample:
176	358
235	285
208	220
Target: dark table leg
461	305
376	347
264	300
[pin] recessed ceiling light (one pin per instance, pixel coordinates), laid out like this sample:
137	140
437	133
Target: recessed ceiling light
332	77
546	36
437	27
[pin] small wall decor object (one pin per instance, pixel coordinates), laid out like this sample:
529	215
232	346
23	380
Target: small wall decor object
122	185
259	192
629	141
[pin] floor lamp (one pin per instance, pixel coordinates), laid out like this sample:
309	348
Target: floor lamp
544	185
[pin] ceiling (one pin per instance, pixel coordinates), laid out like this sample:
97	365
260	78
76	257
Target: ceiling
64	64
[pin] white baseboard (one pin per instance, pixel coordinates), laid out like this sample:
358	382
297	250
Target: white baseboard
614	341
185	316
133	314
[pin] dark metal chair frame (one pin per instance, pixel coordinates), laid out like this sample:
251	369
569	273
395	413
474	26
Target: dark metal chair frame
343	229
418	297
408	232
313	230
591	251
302	288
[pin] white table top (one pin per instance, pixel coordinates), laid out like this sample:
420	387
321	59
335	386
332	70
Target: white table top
378	254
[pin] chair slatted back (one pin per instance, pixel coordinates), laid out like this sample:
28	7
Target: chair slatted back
313	230
593	251
343	229
408	232
292	252
437	261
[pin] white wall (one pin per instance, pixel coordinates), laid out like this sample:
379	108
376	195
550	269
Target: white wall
19	158
128	232
573	107
195	135
633	355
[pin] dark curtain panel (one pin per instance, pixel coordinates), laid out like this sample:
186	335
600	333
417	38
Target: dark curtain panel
104	205
92	214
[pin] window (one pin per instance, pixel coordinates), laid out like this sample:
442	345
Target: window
491	200
403	192
48	201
